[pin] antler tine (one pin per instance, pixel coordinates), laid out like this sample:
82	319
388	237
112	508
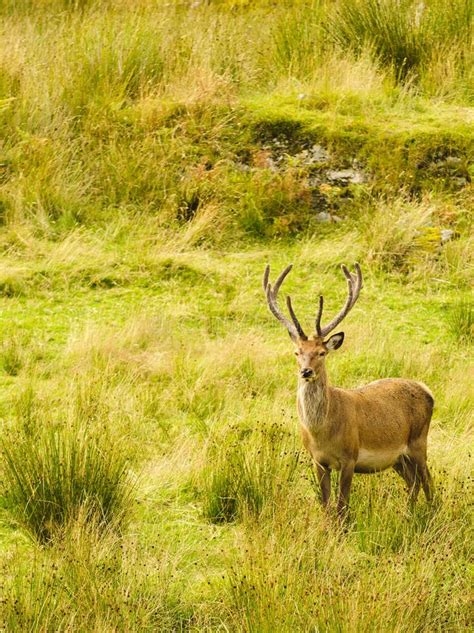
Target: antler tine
294	329
295	320
266	275
354	285
319	315
347	272
281	279
357	283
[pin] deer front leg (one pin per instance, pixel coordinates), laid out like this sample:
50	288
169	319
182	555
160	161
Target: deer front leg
347	472
324	479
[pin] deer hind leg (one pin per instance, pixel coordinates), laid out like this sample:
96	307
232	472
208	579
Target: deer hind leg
425	477
407	471
418	458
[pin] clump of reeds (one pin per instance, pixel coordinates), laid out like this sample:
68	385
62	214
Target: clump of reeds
244	474
59	473
404	35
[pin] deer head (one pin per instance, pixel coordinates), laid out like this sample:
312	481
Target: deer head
311	353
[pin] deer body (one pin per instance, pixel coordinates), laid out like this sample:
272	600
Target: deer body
381	425
341	424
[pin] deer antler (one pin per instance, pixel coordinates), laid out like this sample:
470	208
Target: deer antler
294	329
354	285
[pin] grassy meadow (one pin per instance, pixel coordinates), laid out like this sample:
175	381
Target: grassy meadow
154	157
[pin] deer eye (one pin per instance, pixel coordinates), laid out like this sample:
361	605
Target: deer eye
297	353
322	353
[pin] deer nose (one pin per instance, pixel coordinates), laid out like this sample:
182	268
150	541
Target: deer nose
307	373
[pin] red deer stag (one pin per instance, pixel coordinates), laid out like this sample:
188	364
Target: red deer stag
364	430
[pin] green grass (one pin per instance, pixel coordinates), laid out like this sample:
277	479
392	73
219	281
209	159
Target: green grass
56	475
405	36
461	322
246	471
155	159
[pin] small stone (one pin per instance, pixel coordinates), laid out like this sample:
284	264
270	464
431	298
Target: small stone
315	155
242	167
446	235
314	181
346	176
319	154
453	160
271	165
323	216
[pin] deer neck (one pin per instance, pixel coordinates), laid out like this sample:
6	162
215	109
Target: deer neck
313	399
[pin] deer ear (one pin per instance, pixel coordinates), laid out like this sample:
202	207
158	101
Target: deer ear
335	341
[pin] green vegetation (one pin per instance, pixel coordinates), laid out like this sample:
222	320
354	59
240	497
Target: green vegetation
405	35
247	470
462	320
154	157
57	475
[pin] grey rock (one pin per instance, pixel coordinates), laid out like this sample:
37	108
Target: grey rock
271	164
242	167
453	160
318	154
315	181
315	155
447	235
346	176
323	216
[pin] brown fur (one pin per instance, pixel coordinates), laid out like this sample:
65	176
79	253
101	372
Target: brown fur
383	424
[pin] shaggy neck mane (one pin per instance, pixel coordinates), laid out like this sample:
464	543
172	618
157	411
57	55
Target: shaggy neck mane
313	397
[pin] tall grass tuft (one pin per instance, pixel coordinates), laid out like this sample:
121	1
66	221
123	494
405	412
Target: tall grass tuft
247	471
11	356
399	237
461	320
61	474
403	34
297	39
